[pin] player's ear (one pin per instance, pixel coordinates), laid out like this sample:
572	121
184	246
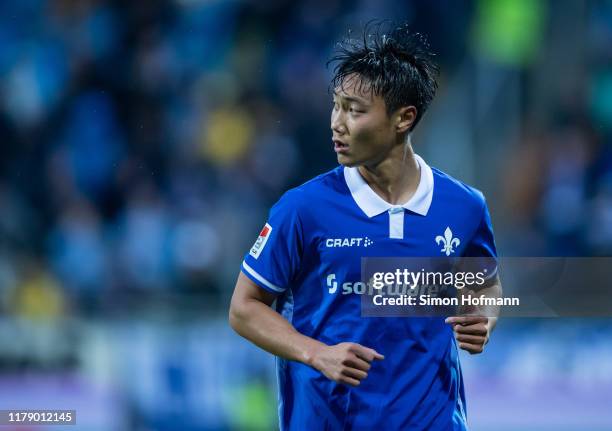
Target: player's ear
405	118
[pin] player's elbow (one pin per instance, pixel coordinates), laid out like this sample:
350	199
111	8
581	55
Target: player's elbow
234	317
237	314
246	301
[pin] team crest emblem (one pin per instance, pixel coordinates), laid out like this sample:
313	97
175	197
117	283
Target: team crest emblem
448	242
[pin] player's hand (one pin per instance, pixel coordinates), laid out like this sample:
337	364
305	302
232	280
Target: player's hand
471	332
346	363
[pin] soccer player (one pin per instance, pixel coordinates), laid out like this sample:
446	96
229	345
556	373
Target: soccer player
336	369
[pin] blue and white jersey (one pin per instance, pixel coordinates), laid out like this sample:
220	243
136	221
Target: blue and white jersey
322	229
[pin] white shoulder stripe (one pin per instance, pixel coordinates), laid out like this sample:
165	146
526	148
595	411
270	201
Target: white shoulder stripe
261	279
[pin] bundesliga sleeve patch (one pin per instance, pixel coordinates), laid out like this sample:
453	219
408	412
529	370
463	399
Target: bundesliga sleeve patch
261	241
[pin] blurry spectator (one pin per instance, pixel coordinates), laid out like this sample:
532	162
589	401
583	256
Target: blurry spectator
78	252
143	239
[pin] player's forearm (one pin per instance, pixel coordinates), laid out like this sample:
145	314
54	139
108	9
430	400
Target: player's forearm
485	310
491	311
267	329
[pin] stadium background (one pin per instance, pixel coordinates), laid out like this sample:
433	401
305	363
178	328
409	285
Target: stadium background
143	142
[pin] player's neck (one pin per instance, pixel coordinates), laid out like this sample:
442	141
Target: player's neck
396	178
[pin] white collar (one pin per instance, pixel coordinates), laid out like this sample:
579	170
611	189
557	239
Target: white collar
372	204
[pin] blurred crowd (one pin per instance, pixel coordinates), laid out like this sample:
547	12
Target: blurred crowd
143	142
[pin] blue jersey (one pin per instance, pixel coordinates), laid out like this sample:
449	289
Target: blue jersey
316	236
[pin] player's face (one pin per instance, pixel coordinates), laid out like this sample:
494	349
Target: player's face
362	132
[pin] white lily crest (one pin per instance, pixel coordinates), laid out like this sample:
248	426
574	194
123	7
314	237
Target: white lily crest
448	241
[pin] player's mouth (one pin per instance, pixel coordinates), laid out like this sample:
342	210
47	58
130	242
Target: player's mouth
340	147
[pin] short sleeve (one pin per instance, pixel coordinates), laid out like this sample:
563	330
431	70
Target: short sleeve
481	252
274	260
482	243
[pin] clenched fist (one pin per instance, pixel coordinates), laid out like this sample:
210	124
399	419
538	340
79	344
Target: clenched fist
346	363
471	332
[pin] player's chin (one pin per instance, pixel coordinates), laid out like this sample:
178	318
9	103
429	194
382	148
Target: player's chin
347	160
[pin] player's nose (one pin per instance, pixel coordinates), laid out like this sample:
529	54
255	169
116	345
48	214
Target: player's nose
337	124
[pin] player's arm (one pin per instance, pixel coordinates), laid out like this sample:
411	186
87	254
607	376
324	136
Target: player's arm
473	327
252	316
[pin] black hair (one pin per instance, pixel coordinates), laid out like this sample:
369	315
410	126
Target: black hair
396	65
